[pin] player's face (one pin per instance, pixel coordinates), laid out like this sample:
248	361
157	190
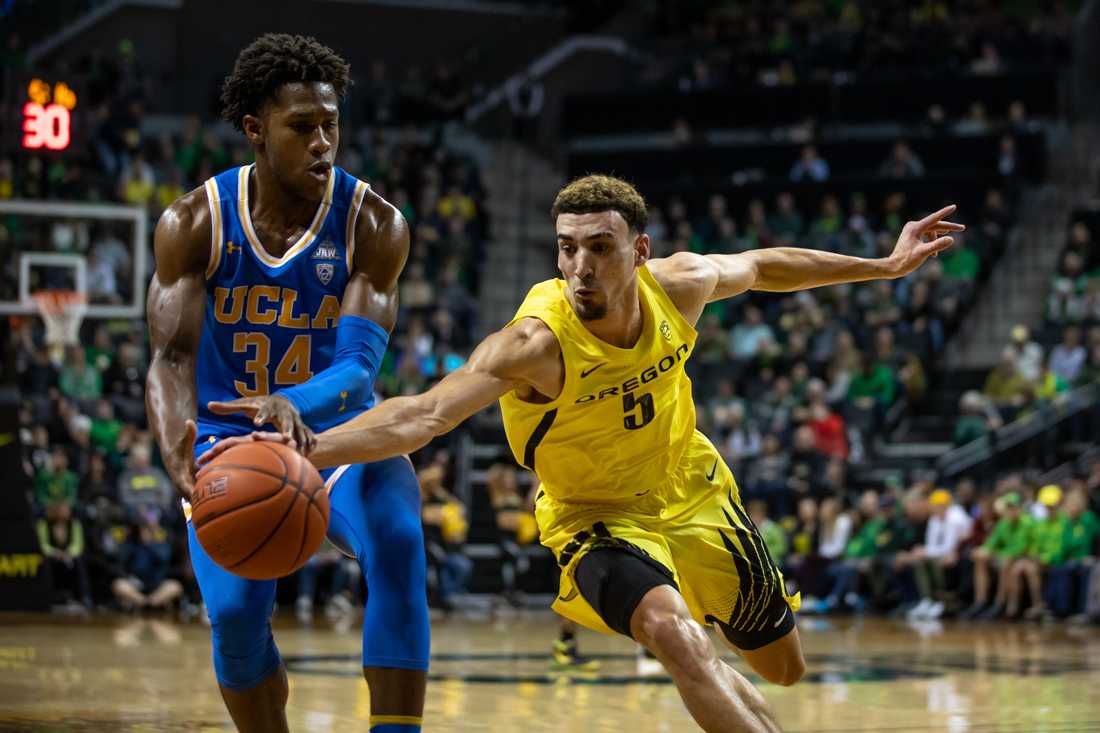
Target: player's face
300	132
597	255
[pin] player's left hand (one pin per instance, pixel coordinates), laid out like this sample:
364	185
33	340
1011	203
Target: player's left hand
276	410
226	443
922	239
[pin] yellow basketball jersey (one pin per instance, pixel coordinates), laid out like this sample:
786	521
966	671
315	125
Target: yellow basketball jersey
624	416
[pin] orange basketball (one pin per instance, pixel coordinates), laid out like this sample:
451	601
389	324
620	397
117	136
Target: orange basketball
260	510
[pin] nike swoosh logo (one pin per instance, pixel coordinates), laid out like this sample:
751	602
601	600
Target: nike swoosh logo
586	372
776	624
644	492
713	470
567	598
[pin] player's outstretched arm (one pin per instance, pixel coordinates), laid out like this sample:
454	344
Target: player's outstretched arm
174	310
706	278
523	355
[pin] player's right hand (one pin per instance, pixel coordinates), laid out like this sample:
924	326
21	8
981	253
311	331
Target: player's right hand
226	443
181	462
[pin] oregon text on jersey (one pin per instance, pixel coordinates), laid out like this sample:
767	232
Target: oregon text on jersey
646	376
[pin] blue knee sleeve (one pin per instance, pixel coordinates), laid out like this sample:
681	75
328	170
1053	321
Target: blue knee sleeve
376	515
240	620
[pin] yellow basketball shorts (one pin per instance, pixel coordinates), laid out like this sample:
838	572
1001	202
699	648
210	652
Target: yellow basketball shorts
704	544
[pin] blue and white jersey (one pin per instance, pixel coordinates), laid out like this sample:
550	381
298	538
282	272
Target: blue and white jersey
270	321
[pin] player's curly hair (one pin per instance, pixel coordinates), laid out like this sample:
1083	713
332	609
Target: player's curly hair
595	193
275	59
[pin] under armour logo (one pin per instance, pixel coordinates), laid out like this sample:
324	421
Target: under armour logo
231	248
343	401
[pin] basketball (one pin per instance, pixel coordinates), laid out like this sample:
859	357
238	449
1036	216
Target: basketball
260	510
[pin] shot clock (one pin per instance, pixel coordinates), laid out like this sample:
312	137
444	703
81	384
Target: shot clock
47	116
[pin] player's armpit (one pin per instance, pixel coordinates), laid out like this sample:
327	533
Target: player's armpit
526	354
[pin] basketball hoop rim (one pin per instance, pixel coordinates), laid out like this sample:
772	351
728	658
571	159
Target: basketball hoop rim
55	302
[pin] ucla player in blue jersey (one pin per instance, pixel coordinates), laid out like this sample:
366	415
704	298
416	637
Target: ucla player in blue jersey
274	295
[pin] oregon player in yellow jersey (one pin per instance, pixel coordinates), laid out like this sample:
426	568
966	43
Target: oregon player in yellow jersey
638	507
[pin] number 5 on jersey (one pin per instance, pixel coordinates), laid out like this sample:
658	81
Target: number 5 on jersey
632	421
293	368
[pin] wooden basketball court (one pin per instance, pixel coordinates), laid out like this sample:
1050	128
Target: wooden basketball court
147	674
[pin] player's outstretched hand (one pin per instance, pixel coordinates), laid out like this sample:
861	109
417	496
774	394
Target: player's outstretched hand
226	443
922	239
274	409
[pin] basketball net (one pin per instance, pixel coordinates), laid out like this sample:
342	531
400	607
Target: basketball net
62	311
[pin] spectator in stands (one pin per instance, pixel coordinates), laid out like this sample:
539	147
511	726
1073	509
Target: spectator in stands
872	389
445	528
515	523
1067	359
343	577
743	440
830	437
1066	300
809	166
1005	387
1009	542
961	263
61	538
102	283
1080	244
1029	354
988	61
1049	385
124	383
751	335
1007	161
1068	582
1047	547
858	557
137	183
827	228
78	380
977	418
807	465
54	483
146	560
902	163
767	476
835	532
948	527
143	488
786	222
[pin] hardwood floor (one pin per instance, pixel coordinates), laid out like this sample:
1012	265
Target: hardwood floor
143	674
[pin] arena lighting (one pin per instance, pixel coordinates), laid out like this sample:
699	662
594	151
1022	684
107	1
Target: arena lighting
47	124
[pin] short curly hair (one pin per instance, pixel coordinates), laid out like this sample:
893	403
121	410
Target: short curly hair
594	193
275	59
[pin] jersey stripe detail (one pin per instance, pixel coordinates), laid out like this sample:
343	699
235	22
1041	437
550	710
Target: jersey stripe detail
536	437
303	242
216	232
336	477
353	215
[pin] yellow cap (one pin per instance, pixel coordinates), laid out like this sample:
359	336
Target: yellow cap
1050	495
940	497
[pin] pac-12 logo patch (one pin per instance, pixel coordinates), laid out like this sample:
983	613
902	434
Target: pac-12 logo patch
666	330
325	271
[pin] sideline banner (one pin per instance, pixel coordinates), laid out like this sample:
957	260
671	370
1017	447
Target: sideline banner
24	575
